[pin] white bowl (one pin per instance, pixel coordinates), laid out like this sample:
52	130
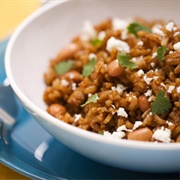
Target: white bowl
41	36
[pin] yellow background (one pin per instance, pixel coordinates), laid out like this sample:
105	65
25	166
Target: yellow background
12	13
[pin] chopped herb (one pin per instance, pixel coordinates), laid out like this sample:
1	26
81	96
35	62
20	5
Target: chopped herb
89	67
161	52
101	132
161	104
91	99
63	66
124	60
96	42
135	27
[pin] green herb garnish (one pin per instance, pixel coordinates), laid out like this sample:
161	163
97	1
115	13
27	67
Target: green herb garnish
63	66
96	42
91	99
124	60
101	132
161	52
89	67
161	104
135	27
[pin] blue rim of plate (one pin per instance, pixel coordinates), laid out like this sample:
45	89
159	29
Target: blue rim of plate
58	162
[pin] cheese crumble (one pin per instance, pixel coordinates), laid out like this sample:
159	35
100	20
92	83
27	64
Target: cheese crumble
122	112
170	26
176	46
156	29
119	88
121	46
88	31
77	117
170	89
162	135
64	82
147	80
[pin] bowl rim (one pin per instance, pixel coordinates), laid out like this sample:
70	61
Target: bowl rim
47	117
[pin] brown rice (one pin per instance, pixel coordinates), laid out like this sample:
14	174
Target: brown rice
120	96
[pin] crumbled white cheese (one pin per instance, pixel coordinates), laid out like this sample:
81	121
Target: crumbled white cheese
176	33
122	112
176	46
118	44
147	80
121	128
156	29
162	134
64	82
150	98
155	77
107	134
88	31
119	24
174	28
148	93
115	134
169	123
137	124
170	52
178	89
152	64
140	73
140	43
118	135
77	117
124	34
92	56
137	59
170	26
170	89
101	35
154	54
74	86
120	88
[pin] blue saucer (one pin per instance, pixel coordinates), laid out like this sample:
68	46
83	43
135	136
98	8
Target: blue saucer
36	154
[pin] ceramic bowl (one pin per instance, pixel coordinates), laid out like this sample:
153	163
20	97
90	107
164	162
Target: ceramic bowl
41	36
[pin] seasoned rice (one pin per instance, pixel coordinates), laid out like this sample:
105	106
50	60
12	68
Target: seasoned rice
121	79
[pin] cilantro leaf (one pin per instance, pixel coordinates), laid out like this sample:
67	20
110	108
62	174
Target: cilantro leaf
63	66
124	60
135	27
161	104
92	98
89	67
161	52
96	42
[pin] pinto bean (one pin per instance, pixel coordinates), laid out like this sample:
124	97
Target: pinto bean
76	98
114	68
74	75
143	134
56	109
143	102
68	52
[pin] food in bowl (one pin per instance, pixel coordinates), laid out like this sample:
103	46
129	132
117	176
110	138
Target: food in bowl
120	78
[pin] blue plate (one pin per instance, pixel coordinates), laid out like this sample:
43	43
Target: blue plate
36	154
